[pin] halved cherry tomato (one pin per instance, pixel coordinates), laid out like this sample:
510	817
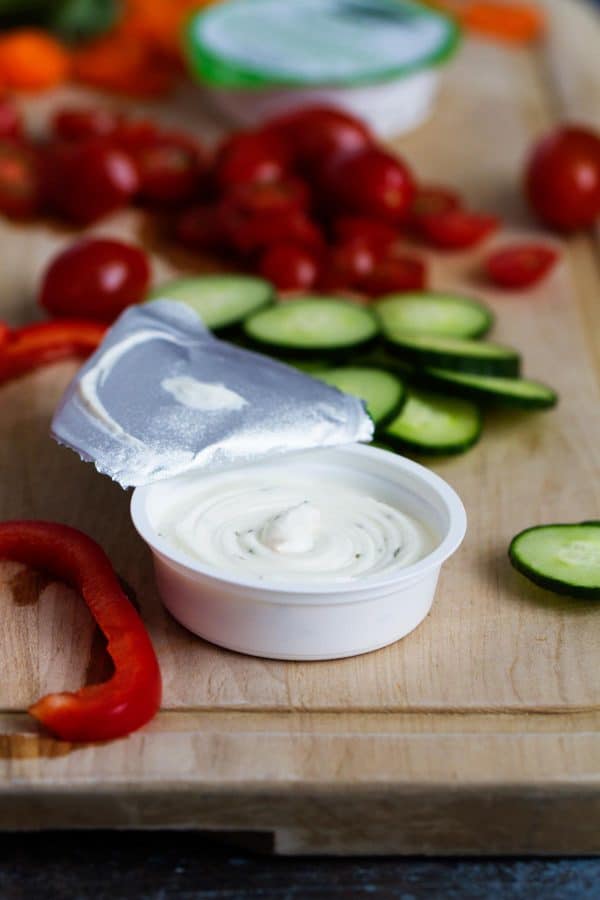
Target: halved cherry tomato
20	193
251	156
290	267
319	134
369	231
520	265
396	273
373	183
430	199
95	279
171	168
456	229
86	180
562	178
78	123
11	121
200	228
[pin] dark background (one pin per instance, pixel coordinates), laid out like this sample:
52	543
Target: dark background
162	865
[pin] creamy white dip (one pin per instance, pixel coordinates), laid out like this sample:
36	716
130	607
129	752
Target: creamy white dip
280	526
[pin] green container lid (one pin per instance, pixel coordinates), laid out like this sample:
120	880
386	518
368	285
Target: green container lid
312	43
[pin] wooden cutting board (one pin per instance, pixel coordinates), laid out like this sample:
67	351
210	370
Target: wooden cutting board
476	734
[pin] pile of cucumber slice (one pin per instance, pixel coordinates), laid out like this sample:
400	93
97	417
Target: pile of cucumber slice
417	359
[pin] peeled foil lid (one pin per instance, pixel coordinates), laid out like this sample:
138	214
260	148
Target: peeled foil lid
162	396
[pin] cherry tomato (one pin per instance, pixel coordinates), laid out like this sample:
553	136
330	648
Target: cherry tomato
79	123
4	332
133	134
456	229
88	179
288	195
348	264
430	200
171	167
369	231
290	267
373	183
251	156
11	121
200	228
20	193
398	273
316	135
252	232
520	265
562	179
95	279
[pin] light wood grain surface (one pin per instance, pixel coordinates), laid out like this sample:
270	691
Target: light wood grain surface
479	732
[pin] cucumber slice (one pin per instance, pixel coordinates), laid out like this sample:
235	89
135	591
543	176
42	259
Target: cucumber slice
432	424
521	393
221	301
562	558
312	324
459	354
430	313
383	393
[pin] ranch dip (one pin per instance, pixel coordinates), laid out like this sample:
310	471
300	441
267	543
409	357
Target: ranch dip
277	525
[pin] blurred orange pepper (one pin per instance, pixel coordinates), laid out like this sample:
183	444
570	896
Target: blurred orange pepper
32	60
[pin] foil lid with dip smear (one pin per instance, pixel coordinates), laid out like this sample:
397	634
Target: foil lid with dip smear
162	396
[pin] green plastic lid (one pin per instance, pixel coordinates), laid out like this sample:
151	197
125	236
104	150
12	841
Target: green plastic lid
309	43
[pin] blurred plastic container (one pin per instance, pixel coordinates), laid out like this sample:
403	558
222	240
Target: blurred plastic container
378	59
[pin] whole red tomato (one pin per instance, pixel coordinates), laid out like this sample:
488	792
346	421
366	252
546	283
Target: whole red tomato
95	279
372	183
77	123
88	179
200	228
317	134
288	195
348	263
251	156
20	194
171	167
290	267
11	121
397	273
372	232
562	178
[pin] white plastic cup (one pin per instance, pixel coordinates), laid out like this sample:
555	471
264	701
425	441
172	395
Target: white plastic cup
311	621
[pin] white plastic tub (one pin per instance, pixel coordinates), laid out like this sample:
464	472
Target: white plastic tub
389	109
311	622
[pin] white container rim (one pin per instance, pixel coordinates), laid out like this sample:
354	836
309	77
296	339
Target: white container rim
457	525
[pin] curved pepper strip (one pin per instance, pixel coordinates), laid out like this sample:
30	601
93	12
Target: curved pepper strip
27	348
131	697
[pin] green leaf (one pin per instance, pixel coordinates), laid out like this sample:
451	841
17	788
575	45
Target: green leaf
82	20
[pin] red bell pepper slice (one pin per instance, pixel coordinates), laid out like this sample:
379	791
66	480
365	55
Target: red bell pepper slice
24	349
131	697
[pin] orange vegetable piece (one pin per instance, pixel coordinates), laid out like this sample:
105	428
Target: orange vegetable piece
160	22
119	63
32	60
516	23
